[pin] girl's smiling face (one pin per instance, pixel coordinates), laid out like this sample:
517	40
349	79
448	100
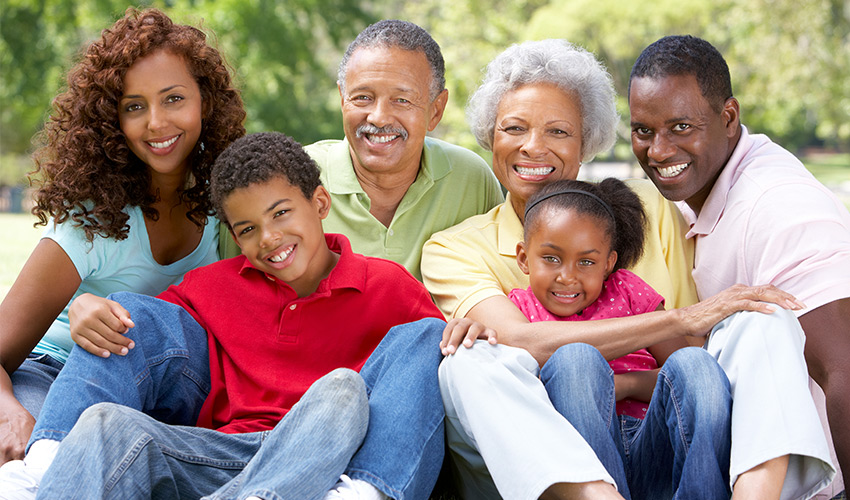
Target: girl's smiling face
568	257
160	112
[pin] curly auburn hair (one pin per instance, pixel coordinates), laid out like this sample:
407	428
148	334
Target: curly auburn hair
85	171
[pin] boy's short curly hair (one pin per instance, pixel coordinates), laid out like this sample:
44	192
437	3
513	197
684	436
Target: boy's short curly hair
257	158
85	171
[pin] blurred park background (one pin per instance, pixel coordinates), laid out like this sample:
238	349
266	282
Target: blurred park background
789	59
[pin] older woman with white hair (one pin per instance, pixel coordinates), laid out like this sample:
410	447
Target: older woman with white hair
545	107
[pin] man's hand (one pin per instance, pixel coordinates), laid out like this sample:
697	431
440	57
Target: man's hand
464	331
98	325
702	316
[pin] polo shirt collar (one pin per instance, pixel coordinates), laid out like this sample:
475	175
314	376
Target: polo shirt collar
715	204
340	175
435	164
349	271
509	228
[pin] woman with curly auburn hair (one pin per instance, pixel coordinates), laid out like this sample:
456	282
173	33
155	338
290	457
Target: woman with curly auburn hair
123	187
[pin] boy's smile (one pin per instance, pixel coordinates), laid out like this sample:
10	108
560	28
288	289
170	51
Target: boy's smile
280	231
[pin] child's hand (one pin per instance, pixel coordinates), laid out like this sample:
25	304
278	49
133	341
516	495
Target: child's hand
98	325
464	331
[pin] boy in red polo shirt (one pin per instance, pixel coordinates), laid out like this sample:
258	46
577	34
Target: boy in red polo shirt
238	343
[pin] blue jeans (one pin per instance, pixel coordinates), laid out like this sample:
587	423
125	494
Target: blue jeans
116	452
32	380
167	376
679	450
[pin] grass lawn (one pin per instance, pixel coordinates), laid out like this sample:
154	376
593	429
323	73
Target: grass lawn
831	169
834	171
19	240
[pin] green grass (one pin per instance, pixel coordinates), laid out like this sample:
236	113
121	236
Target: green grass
19	238
831	169
834	171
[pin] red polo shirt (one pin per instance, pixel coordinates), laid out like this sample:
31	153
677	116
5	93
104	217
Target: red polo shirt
267	346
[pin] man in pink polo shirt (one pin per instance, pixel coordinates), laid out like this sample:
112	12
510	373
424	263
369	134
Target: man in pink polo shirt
758	216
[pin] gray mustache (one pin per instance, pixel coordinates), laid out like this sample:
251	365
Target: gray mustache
371	129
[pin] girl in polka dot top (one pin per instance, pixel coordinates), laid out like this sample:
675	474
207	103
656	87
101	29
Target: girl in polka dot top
579	237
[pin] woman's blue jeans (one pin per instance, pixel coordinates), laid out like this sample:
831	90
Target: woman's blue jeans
167	377
679	450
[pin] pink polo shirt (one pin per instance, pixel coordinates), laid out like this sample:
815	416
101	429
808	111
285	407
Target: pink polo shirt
623	294
768	220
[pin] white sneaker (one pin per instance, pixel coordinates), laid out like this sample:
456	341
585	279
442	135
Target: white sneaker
19	479
16	483
354	489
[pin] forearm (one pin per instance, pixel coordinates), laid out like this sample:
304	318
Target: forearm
637	385
8	402
614	337
617	337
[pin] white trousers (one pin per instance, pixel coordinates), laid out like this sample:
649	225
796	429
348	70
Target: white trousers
773	413
505	437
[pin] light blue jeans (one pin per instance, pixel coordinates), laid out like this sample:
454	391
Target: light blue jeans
679	450
115	452
167	376
32	380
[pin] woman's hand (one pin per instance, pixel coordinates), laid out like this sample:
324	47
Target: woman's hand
464	331
15	428
701	317
98	325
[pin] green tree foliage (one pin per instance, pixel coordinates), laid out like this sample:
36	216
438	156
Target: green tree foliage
37	40
789	60
470	33
284	54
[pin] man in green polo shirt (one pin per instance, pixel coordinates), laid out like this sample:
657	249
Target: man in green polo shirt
391	186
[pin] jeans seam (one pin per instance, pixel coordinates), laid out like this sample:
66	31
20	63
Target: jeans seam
125	464
211	462
681	431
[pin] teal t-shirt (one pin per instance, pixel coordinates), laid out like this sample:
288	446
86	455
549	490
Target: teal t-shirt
106	265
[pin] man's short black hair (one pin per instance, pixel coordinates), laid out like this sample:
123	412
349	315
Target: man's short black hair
257	158
687	55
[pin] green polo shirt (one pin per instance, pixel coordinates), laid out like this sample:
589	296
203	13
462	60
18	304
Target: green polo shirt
453	184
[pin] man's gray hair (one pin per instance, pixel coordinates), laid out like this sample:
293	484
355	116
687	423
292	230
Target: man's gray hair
404	35
560	63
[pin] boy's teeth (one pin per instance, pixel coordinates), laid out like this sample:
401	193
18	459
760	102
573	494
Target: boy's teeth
672	170
534	171
281	257
160	145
